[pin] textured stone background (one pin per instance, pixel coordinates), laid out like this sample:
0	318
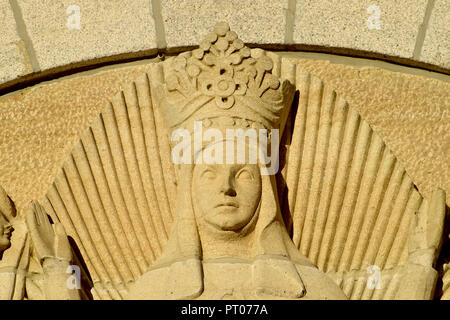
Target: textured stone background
40	125
35	39
411	113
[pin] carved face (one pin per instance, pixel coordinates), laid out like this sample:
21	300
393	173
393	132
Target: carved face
5	234
227	195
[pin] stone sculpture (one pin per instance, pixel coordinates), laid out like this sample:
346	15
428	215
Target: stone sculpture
34	255
340	218
446	280
228	239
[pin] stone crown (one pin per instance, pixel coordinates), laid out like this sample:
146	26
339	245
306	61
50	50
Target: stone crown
223	78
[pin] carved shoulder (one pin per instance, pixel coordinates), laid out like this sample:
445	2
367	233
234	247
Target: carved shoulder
318	285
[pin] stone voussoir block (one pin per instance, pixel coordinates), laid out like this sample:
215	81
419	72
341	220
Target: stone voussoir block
384	27
64	32
13	58
259	21
436	46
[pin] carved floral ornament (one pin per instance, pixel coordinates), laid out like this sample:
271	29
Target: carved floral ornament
239	80
221	68
144	228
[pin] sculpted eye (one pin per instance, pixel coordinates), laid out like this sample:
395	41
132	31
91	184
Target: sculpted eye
208	174
244	174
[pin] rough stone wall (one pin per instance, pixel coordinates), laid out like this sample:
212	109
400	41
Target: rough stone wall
49	36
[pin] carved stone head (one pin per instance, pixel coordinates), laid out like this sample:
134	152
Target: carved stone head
227	205
7	212
226	195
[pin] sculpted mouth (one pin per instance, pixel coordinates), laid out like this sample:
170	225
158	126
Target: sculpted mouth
228	204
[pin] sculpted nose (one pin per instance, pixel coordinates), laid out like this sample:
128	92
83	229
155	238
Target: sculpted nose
227	188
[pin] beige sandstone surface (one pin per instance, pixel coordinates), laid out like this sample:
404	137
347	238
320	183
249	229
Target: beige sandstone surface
13	58
40	125
35	35
52	121
436	46
411	113
187	22
101	31
344	24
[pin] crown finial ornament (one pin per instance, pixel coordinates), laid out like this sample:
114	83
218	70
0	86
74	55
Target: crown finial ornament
221	79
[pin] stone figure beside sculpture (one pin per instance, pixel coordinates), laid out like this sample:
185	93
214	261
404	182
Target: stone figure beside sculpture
35	254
